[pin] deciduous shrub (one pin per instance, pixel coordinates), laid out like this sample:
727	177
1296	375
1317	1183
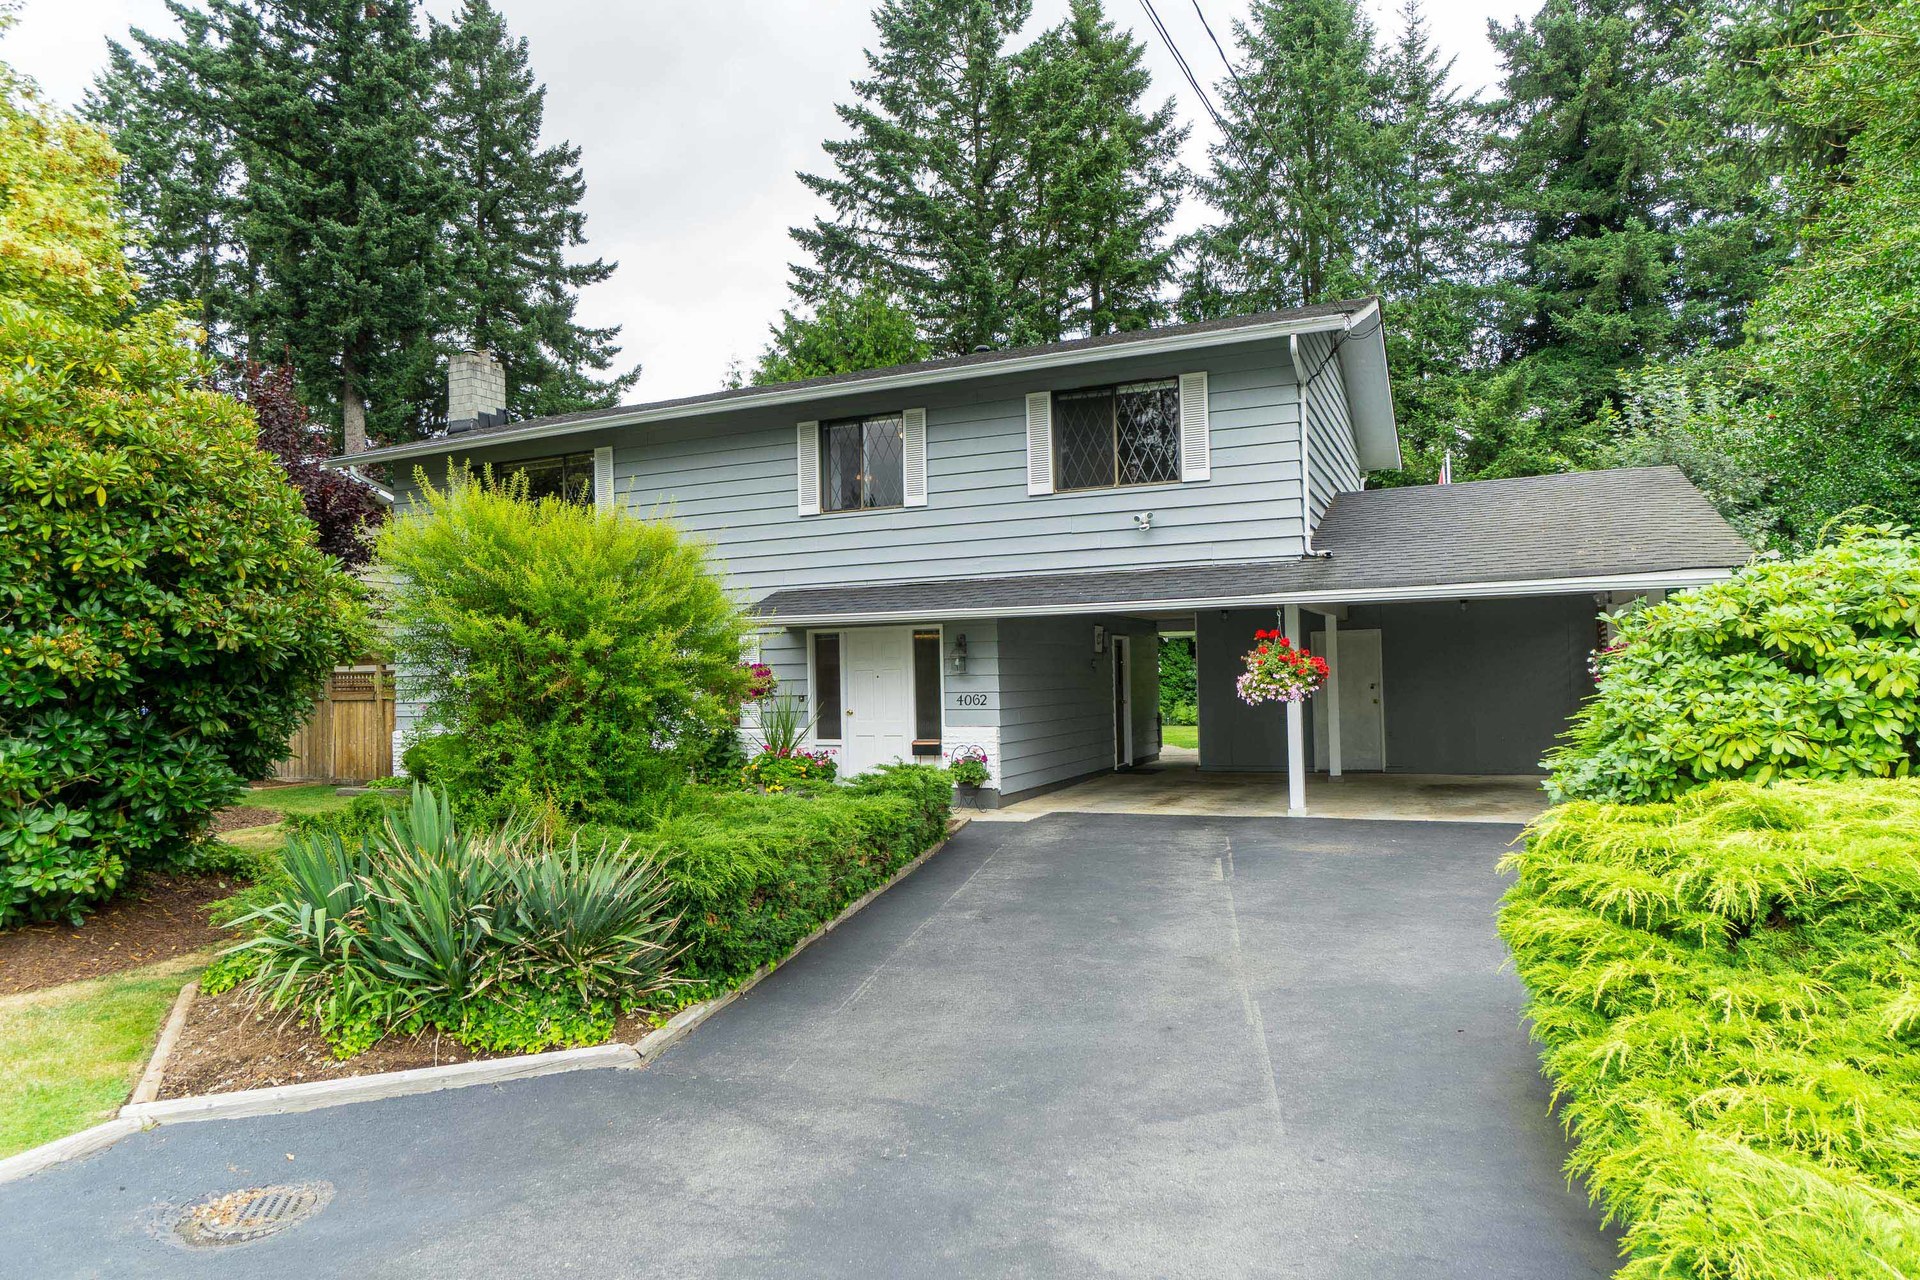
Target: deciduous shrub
165	617
1179	682
1728	989
502	939
576	659
1806	668
753	874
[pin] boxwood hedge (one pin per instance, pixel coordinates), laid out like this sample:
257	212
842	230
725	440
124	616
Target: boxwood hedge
753	874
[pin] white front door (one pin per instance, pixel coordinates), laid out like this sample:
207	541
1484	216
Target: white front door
1363	734
878	699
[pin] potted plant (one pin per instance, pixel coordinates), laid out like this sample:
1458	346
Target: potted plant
1278	672
969	773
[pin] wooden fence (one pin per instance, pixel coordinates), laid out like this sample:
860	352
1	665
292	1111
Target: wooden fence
349	736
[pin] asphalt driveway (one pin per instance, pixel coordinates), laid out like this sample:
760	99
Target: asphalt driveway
1081	1046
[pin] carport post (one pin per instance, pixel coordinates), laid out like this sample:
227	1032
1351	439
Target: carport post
1330	703
1296	726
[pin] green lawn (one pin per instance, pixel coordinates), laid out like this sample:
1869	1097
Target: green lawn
1181	735
315	797
70	1055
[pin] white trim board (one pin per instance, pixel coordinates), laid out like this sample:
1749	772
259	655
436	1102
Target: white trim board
1356	595
775	396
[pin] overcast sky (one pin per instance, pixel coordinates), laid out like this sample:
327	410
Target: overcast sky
693	119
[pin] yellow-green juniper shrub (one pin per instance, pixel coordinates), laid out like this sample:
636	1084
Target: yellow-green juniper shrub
571	660
1804	668
1728	990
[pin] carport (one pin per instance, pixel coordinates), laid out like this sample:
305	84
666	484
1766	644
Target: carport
1459	622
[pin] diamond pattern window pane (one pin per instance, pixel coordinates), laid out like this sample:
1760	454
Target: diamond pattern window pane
1148	432
886	477
862	464
1083	439
840	450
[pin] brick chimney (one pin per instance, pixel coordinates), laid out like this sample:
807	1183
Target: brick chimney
476	391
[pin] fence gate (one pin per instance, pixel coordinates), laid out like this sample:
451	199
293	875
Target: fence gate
349	736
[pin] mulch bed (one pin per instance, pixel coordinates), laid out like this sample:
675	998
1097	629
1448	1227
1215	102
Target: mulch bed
227	1044
242	816
157	918
160	917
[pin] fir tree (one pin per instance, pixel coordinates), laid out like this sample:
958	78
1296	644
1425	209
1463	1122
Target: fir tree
1294	182
1423	247
514	215
847	332
1101	180
924	192
181	183
344	205
1587	179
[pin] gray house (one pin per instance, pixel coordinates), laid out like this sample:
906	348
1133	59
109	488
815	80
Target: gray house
980	555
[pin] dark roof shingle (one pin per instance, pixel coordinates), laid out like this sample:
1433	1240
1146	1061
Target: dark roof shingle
1585	524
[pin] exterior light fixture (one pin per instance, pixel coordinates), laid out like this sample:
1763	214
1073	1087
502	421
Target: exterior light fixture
959	658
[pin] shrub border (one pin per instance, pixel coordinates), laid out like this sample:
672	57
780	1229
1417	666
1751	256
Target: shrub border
314	1095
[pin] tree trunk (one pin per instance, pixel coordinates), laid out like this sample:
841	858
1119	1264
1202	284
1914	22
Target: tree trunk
353	408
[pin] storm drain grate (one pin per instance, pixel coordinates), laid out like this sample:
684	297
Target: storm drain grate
241	1217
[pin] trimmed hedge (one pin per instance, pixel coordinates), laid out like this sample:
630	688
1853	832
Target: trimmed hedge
753	874
1728	989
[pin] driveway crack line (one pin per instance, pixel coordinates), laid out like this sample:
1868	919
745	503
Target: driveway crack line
1249	1003
918	929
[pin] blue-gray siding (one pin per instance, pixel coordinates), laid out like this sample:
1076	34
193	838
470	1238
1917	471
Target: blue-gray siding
1480	686
1056	699
733	482
1333	466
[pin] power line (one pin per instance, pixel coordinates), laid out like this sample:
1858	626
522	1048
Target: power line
1186	70
1220	49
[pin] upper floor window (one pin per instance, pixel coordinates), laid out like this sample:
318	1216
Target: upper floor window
1105	437
862	463
568	476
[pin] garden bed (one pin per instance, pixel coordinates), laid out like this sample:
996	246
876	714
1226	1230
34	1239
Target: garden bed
228	1044
161	917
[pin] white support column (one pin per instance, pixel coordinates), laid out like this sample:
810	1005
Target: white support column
1296	727
1330	704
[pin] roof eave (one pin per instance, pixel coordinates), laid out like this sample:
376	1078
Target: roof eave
1363	367
776	396
1503	589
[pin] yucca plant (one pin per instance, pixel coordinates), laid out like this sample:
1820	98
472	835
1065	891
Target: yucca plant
423	919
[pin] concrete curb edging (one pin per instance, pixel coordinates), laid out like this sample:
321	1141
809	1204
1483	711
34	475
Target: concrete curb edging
71	1147
315	1094
149	1087
145	1110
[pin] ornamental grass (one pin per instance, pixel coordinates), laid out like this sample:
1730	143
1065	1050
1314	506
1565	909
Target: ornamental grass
1728	990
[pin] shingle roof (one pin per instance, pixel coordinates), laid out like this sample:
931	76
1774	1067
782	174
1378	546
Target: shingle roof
1581	525
850	381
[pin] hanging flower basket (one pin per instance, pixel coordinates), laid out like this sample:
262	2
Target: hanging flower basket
1278	672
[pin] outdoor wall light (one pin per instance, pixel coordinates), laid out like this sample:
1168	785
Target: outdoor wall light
959	655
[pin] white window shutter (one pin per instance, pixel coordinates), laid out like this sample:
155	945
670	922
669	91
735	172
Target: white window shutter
603	478
913	456
807	478
1040	442
1196	454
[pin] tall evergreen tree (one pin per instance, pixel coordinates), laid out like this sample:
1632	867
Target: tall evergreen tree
848	331
1589	182
514	214
181	184
331	188
328	101
1423	248
1294	182
1102	178
924	195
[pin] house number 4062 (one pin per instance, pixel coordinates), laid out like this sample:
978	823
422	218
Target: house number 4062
970	700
